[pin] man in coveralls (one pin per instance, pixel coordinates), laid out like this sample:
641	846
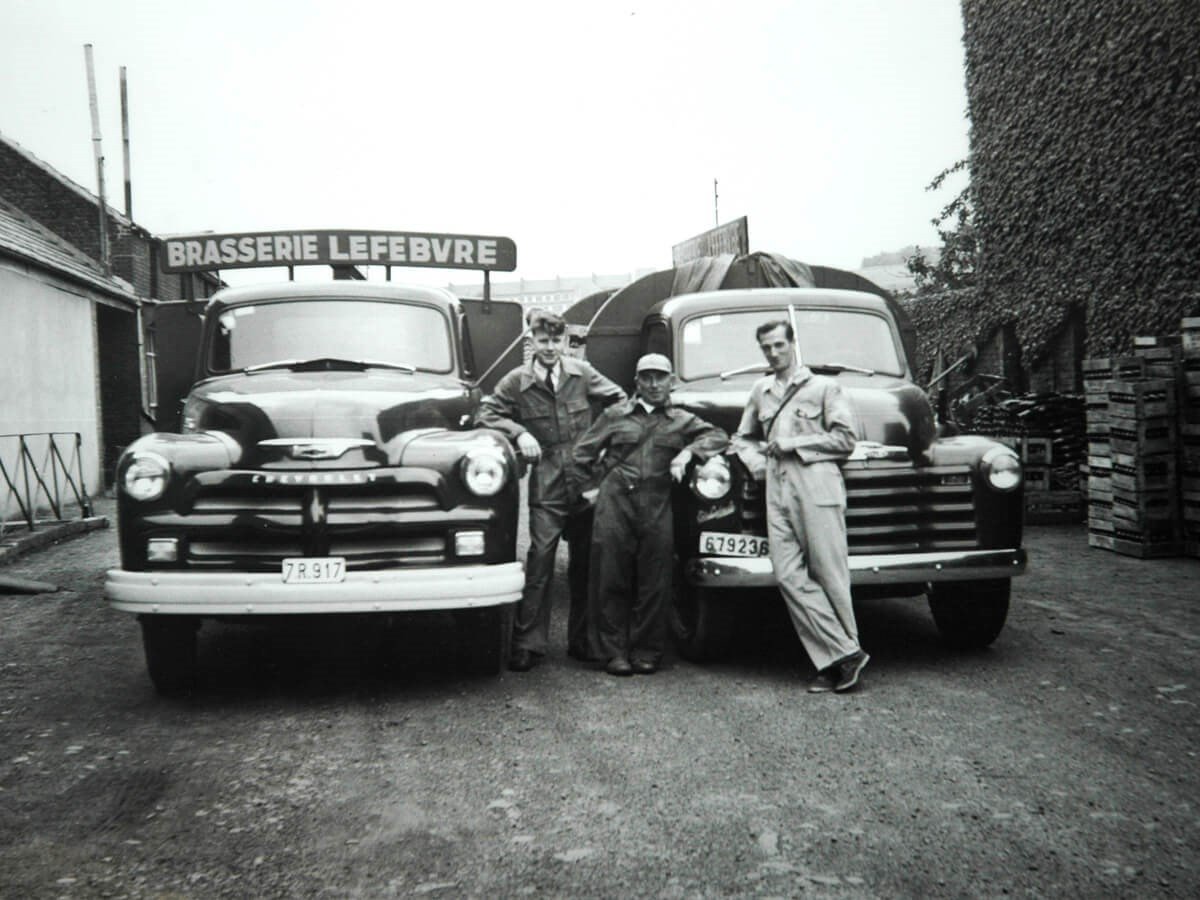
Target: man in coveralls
646	443
545	406
807	428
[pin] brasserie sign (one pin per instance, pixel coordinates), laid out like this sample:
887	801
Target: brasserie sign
204	252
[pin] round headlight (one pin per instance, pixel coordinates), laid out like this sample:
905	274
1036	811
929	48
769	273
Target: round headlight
1002	468
484	471
146	476
711	480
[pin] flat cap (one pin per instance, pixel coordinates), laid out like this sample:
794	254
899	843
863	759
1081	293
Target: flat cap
653	362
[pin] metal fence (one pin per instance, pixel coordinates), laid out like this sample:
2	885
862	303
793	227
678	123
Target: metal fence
38	472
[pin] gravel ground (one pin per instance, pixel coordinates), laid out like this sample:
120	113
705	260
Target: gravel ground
345	760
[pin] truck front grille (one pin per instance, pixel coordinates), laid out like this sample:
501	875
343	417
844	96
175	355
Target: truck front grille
894	508
372	526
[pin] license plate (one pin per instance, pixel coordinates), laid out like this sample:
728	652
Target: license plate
718	543
314	570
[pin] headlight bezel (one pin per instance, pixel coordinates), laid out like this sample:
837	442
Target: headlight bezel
1001	469
475	465
712	480
152	484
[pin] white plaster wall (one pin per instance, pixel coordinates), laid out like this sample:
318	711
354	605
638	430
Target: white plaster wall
48	375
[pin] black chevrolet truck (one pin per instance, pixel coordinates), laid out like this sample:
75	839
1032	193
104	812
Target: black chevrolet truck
325	465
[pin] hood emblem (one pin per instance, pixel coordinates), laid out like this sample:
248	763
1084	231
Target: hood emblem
315	448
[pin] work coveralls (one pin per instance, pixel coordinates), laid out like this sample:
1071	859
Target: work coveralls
523	402
806	506
633	534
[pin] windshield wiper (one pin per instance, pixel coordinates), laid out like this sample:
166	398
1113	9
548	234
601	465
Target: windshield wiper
839	367
329	362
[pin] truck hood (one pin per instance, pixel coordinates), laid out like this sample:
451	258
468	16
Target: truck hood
370	410
888	410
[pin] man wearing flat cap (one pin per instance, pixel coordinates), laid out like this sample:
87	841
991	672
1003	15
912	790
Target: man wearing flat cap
637	449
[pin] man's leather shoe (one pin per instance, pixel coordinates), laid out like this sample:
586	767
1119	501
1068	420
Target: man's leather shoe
849	669
522	660
825	681
644	666
618	665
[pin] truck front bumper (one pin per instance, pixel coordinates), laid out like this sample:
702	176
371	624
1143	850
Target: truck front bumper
900	568
264	593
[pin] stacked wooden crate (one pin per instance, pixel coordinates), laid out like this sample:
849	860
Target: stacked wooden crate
1189	434
1133	480
1047	431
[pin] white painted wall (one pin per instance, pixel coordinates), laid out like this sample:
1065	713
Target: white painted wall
48	372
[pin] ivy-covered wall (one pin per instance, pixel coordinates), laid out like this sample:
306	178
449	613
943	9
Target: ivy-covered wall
1085	165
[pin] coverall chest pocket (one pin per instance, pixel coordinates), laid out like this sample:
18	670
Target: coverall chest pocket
666	447
806	416
537	415
579	412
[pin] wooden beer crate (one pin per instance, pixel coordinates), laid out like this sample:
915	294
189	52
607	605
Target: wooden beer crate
1134	545
1189	335
1161	362
1135	472
1130	368
1141	399
1037	478
1152	510
1143	436
1189	448
1037	451
1054	507
1096	371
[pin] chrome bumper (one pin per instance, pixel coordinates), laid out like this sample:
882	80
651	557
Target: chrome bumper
899	568
264	593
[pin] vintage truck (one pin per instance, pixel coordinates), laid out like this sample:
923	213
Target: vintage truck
326	465
939	516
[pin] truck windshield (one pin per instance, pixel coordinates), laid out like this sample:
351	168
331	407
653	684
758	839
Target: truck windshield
403	334
724	342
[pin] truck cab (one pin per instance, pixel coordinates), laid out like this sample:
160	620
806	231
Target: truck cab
326	466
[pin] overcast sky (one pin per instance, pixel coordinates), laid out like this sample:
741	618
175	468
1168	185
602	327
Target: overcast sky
588	133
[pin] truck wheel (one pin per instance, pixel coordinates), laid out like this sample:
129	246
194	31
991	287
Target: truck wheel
703	622
484	637
170	645
970	614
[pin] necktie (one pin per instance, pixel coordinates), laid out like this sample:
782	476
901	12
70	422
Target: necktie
550	380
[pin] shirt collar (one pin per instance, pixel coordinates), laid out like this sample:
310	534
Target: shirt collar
641	401
801	375
540	370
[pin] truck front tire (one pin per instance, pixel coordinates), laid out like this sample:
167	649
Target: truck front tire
484	638
970	614
702	621
170	645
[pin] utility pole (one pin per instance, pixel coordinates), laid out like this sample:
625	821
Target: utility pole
91	77
716	212
125	147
